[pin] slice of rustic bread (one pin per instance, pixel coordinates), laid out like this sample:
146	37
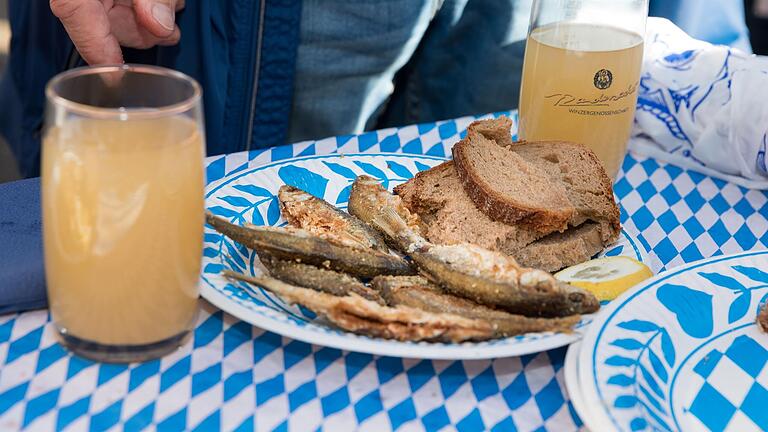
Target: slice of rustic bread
509	188
588	188
587	185
450	217
498	130
559	250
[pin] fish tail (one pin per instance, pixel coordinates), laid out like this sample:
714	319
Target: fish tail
390	222
270	284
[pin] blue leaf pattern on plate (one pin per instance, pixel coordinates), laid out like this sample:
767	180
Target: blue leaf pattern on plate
211	238
649	386
693	309
615	251
652	399
667	348
256	218
344	195
621	380
341	170
658	366
639	325
303	178
739	307
400	170
223	212
618	360
253	190
212	268
661	424
625	402
723	281
273	211
628	344
236	201
234	255
374	172
755	274
638	424
422	167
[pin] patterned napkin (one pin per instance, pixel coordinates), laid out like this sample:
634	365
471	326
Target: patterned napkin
703	106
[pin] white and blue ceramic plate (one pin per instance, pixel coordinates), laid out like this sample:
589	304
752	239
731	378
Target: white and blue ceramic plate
249	197
682	351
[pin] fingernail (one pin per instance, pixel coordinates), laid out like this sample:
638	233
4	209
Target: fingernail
163	15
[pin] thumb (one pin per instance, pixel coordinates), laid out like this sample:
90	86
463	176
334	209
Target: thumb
157	16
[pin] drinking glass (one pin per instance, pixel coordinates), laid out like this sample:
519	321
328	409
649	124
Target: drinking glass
581	73
123	209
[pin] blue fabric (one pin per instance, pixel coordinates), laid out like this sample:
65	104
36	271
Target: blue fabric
719	22
22	281
219	45
379	63
282	21
347	60
43	48
469	61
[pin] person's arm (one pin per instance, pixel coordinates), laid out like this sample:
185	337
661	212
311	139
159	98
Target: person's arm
99	28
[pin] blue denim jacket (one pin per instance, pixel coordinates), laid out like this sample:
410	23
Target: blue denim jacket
243	53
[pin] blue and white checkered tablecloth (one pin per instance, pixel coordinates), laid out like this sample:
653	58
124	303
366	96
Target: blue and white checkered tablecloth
234	376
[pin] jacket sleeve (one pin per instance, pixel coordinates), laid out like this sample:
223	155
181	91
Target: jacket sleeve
40	48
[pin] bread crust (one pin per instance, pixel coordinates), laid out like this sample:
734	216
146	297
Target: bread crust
500	207
612	216
594	223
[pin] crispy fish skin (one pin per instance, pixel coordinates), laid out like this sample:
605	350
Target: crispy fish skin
366	201
328	281
298	245
356	314
469	271
419	293
303	210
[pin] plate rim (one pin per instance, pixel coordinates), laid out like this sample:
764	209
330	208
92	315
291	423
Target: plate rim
587	368
372	345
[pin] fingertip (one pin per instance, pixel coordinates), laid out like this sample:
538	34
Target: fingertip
173	39
158	17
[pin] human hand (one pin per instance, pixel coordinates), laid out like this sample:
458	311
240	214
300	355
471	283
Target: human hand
99	28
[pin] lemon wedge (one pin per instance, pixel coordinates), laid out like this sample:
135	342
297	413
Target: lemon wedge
606	278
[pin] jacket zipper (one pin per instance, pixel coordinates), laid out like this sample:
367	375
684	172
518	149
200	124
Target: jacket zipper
256	68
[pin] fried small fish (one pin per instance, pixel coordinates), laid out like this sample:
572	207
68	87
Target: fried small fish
368	197
762	318
356	314
328	281
317	216
419	293
293	244
467	270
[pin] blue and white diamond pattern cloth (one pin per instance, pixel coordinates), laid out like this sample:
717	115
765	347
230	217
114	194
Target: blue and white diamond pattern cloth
234	376
732	391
